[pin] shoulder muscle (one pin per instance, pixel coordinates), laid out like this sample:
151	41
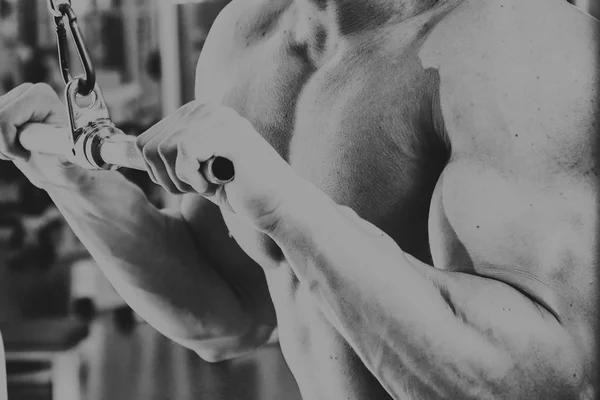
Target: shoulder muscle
511	65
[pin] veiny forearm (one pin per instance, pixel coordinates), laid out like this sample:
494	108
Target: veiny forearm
401	318
151	259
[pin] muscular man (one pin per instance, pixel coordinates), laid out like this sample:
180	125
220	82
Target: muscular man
415	201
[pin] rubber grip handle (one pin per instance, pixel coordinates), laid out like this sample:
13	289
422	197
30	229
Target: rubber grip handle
118	150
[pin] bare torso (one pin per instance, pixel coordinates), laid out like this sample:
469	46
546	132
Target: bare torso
358	106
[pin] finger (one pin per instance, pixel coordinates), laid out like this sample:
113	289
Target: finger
35	104
187	170
150	156
144	140
14	93
219	123
156	164
6	99
162	125
167	150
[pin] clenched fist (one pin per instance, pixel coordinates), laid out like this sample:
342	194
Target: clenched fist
39	103
175	147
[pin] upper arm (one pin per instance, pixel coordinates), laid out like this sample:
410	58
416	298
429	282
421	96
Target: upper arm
519	101
243	275
518	90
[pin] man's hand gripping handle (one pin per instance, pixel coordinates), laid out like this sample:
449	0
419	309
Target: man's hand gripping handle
116	150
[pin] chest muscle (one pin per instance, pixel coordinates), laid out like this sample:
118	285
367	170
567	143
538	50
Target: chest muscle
356	121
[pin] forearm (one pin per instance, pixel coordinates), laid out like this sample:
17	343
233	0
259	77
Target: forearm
398	316
358	290
151	259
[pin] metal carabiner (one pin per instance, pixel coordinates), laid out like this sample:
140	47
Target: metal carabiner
90	126
53	7
61	9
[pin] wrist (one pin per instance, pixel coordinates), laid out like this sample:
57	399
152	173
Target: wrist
303	208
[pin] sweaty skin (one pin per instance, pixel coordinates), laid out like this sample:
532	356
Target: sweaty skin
462	129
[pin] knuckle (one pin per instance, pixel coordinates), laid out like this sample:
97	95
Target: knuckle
180	172
145	152
43	88
165	149
349	211
153	178
8	147
182	187
193	105
227	114
47	94
140	142
149	153
172	189
7	135
218	112
25	86
183	147
203	110
228	111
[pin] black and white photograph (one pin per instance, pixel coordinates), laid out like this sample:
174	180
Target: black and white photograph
299	199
